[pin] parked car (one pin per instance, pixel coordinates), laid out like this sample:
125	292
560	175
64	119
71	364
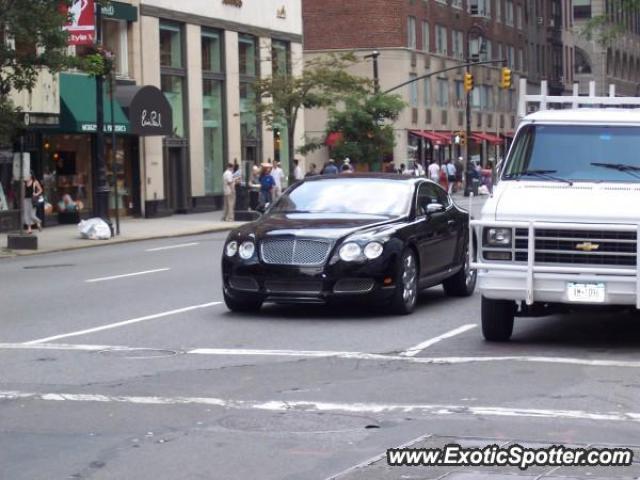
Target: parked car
377	238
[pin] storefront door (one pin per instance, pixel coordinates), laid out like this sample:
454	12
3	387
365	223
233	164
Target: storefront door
176	178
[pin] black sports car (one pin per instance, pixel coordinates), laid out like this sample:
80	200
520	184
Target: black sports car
377	238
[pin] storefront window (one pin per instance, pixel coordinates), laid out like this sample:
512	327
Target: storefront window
280	59
248	119
170	45
248	55
213	135
211	51
173	89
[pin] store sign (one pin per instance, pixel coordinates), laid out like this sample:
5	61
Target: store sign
81	27
233	3
120	11
92	128
148	109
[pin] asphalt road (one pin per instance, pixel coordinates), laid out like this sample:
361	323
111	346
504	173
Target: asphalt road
147	376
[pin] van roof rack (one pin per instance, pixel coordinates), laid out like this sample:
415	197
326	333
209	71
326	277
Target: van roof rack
528	103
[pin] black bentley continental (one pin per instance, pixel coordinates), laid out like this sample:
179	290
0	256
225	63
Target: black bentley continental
376	238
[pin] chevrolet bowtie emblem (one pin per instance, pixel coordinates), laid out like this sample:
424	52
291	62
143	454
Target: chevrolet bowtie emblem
587	246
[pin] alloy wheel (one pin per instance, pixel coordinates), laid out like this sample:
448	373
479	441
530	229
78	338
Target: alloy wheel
409	280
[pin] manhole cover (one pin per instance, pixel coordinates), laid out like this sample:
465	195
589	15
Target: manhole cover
295	422
59	265
139	353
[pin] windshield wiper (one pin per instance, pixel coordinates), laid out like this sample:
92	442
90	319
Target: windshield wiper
621	167
540	174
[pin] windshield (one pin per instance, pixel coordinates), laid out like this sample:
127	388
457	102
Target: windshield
364	196
575	153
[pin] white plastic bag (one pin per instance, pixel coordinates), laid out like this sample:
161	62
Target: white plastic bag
483	190
94	229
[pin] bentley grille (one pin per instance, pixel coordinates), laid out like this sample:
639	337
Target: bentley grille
294	251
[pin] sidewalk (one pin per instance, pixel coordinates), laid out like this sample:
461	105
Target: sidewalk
66	237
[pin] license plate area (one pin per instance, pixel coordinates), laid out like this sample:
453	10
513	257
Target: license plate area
586	292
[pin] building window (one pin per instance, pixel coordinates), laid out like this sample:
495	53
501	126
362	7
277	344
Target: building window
212	51
171	45
248	119
511	57
213	85
459	86
443	92
582	9
411	33
509	13
475	98
488	51
480	7
441	40
173	88
457	39
427	92
280	57
519	17
426	41
582	65
248	54
456	4
499	11
115	35
413	91
173	73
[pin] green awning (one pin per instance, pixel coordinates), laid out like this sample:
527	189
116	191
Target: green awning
78	106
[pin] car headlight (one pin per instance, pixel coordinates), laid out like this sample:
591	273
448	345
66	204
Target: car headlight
247	249
373	250
498	237
350	251
231	249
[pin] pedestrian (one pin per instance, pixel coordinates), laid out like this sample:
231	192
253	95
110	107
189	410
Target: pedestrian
298	173
313	171
330	168
459	169
32	195
346	165
451	175
442	178
229	181
401	169
267	184
279	178
434	171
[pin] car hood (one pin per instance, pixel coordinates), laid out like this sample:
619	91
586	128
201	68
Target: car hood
313	225
556	202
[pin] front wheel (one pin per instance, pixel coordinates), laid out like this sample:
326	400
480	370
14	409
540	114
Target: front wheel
405	296
242	304
497	319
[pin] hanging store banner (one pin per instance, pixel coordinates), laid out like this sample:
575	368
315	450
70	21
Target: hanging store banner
82	26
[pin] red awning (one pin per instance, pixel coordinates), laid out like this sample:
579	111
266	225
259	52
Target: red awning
433	137
509	134
333	138
486	137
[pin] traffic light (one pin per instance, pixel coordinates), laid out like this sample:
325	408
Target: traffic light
505	81
461	137
468	82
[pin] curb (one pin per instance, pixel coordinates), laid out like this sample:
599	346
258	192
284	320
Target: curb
6	253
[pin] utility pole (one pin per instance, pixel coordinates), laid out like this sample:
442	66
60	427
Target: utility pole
376	78
99	167
467	150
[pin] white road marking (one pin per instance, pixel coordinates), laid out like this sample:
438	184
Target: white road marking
123	323
316	407
413	351
135	274
171	247
42	345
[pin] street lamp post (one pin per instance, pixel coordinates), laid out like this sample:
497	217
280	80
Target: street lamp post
99	170
376	79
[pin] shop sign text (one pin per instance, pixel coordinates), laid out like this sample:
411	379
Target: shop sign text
81	26
233	3
151	119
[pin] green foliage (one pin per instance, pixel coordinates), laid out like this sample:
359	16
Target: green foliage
323	82
603	28
35	28
363	120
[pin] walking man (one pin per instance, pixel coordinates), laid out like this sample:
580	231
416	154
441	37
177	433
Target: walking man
229	190
278	178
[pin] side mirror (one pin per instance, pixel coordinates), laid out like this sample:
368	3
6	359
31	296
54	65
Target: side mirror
433	208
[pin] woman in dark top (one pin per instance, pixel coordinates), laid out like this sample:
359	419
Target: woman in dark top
32	190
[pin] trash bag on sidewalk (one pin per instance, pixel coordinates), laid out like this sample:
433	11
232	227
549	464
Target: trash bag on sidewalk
94	229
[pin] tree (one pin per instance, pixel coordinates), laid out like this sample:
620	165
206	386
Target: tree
363	122
323	83
34	40
612	23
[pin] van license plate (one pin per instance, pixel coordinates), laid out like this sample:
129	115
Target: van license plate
586	292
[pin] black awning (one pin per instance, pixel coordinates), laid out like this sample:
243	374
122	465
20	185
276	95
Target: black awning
148	110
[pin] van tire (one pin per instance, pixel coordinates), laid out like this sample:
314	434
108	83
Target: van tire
497	319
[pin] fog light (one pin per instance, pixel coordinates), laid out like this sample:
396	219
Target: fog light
504	256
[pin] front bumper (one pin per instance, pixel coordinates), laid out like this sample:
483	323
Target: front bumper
363	282
532	282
